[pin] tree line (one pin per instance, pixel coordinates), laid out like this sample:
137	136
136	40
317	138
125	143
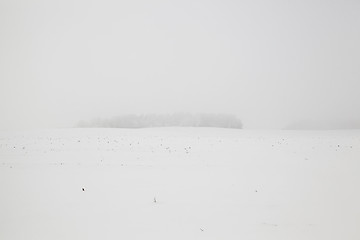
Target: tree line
165	120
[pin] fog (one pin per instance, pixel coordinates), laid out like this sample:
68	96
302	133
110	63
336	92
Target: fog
270	63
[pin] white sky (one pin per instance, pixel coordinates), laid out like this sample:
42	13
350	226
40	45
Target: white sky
268	62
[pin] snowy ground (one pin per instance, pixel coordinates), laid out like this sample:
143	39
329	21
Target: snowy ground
207	183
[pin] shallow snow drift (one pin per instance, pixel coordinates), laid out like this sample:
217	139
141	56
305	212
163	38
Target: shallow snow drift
179	183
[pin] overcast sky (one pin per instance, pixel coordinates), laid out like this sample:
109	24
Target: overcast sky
270	62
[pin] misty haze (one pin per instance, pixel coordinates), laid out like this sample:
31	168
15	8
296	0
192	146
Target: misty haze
179	119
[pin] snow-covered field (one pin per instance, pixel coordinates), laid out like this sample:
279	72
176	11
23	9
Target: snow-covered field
179	183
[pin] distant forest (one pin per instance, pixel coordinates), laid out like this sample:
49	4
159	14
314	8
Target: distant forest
168	120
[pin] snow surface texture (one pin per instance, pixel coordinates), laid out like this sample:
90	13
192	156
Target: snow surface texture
179	183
